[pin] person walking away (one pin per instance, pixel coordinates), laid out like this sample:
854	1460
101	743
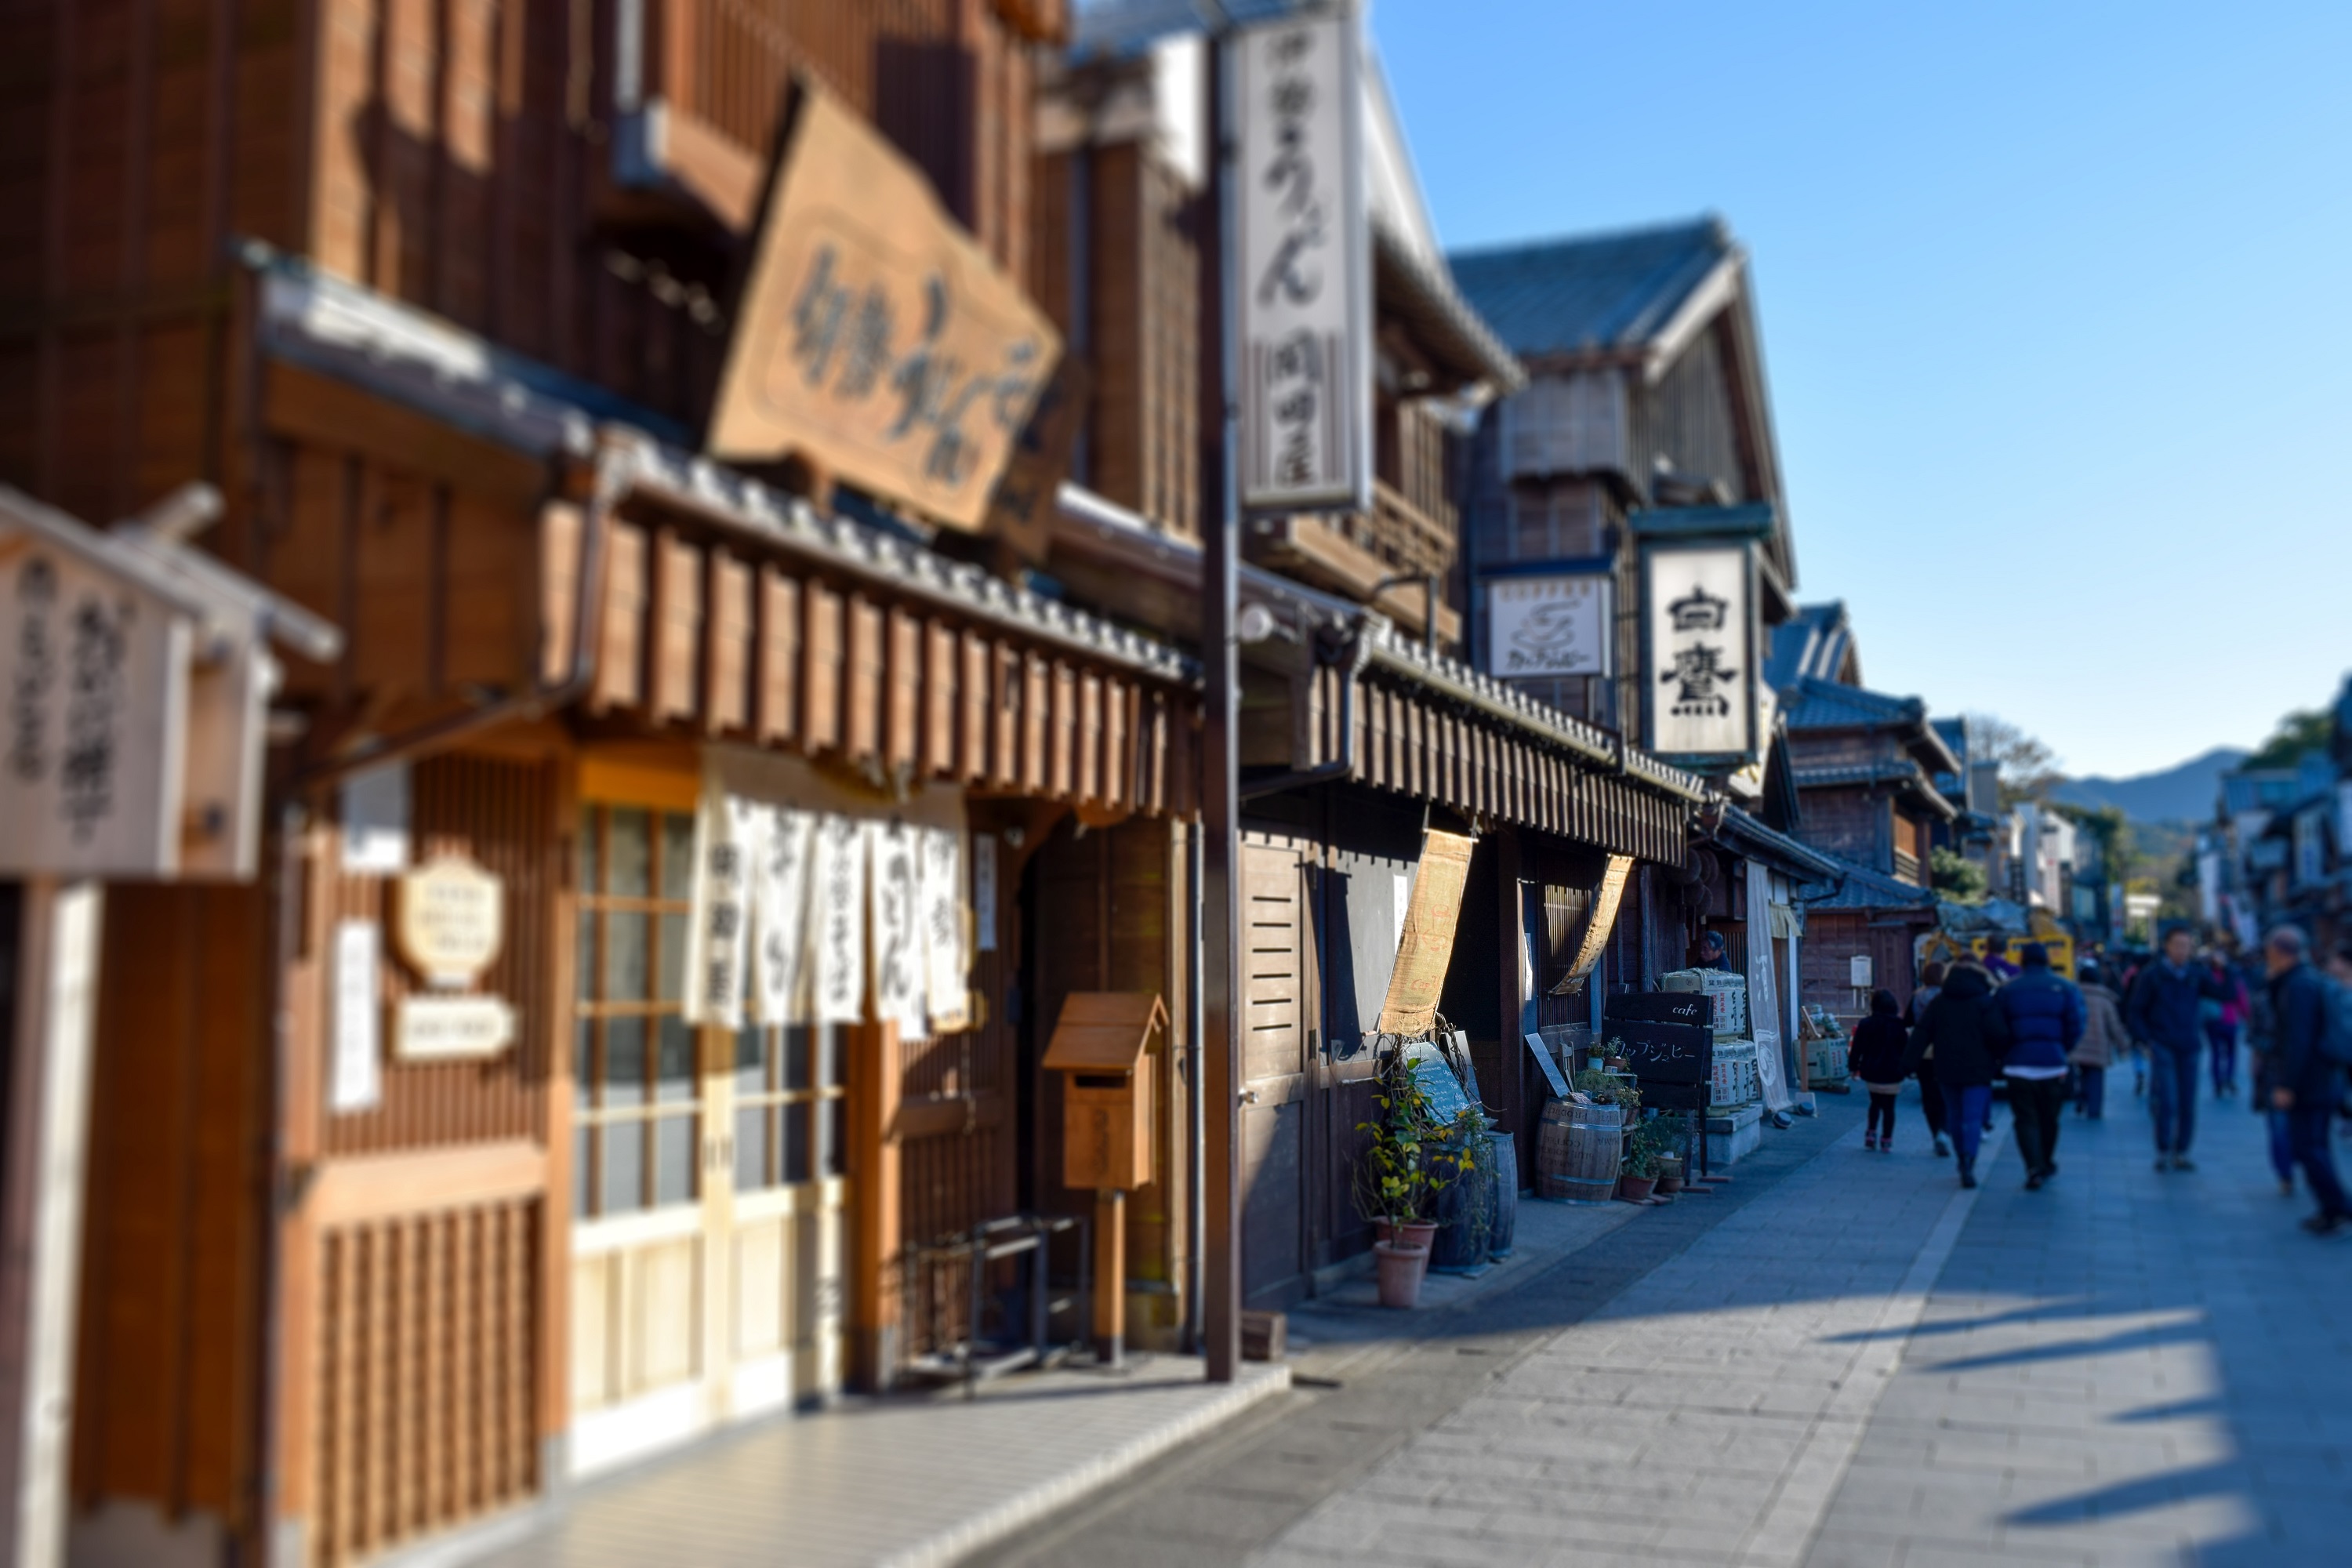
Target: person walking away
2133	969
2163	1013
1996	959
1965	1032
1880	1043
2262	1050
1931	1093
2044	1014
2306	1080
2223	1018
2103	1037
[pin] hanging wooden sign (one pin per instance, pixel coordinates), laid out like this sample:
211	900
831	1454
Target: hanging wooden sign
451	921
874	338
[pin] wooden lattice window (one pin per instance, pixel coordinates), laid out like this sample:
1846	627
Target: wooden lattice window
791	1104
637	1079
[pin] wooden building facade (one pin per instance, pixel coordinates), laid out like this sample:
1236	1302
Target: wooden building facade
438	296
1355	737
1864	765
1645	393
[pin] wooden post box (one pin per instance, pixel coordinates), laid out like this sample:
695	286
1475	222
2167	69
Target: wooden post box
1102	1046
1101	1043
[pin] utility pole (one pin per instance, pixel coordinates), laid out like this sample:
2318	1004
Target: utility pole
1222	1001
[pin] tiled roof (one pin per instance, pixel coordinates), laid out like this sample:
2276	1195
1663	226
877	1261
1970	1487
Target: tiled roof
1825	705
1865	889
1594	293
1858	773
410	358
1815	644
1744	831
1897	770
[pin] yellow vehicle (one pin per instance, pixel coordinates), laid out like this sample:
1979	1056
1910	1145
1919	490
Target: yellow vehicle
1938	947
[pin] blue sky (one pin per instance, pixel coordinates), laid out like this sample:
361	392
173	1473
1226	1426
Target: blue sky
2055	310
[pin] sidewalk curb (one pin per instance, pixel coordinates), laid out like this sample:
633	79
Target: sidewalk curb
1256	1383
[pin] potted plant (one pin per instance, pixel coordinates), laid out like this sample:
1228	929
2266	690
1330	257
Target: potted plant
1465	1209
1670	1173
1643	1151
1392	1181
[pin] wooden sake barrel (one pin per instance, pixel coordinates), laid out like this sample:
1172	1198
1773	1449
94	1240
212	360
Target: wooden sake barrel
1579	1152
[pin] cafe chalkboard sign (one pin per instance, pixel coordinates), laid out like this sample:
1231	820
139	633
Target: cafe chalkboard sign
1660	1007
1672	1062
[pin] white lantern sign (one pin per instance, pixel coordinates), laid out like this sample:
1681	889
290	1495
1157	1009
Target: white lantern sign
1699	674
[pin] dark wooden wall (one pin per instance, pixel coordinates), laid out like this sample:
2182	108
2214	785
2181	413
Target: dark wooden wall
1689	415
172	1234
453	157
1109	915
1139	339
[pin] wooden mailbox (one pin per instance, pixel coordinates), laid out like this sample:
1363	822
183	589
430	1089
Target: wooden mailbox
1102	1042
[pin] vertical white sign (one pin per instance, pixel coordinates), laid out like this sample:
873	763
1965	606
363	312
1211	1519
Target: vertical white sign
983	892
1302	272
946	968
1763	998
355	1079
839	868
780	903
375	820
1548	624
898	963
1702	663
728	840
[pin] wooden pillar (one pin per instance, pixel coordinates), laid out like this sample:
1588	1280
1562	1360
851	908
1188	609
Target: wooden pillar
1110	1275
875	1087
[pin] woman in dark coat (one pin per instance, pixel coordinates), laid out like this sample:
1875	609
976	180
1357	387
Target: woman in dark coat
1964	1029
1879	1044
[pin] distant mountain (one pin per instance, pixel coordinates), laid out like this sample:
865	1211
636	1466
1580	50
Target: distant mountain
2182	793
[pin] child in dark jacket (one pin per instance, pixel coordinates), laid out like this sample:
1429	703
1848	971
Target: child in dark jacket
1877	1059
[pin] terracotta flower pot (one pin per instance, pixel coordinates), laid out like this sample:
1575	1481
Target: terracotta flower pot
1400	1269
1421	1233
1668	1184
1636	1188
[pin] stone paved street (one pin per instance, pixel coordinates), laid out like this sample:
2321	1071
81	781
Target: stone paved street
1857	1363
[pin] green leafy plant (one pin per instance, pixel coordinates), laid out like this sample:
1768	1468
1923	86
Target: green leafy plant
1652	1141
1397	1178
1608	1088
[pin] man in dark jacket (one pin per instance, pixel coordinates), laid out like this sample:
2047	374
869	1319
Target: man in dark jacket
2044	1014
1964	1027
2304	1081
2163	1013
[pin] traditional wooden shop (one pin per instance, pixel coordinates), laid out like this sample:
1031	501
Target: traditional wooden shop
442	1170
634	1018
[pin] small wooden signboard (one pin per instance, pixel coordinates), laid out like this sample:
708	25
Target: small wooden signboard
1542	1053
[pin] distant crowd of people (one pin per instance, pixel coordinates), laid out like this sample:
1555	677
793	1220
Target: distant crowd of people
2174	1016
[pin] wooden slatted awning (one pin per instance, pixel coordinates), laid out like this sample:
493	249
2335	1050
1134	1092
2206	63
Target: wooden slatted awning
734	612
1436	731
